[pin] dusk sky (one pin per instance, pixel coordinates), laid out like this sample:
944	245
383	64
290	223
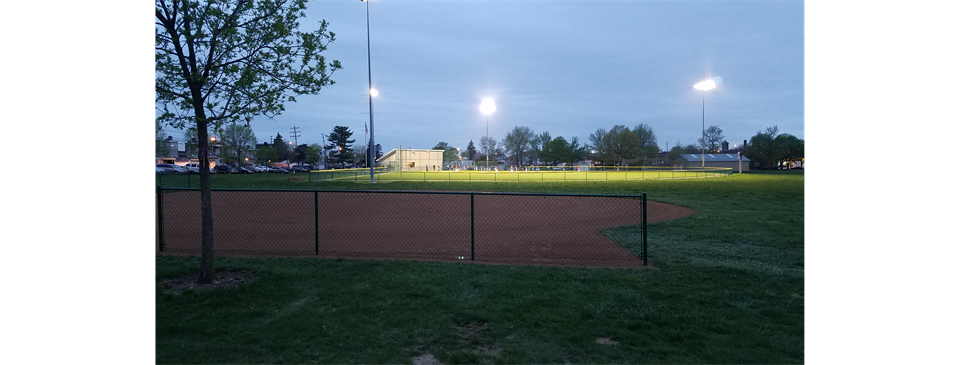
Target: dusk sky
564	67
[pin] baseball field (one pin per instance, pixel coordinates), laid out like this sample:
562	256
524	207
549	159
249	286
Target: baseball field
726	287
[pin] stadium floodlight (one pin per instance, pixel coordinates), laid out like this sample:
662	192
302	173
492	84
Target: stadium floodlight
487	107
705	85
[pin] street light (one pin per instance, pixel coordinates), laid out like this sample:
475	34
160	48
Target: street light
704	85
371	149
487	107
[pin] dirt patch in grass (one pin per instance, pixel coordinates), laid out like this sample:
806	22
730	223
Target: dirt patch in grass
606	341
471	333
225	279
426	359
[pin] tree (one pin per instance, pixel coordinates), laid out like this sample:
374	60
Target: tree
559	150
190	138
300	153
449	153
555	151
596	142
578	151
340	144
314	153
360	156
237	139
648	150
265	154
283	151
621	145
674	157
163	148
787	148
538	142
761	148
229	61
471	151
517	141
711	138
363	155
488	146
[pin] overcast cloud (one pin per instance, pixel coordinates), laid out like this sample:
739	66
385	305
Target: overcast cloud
563	67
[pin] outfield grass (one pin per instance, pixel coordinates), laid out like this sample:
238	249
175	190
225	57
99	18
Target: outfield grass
728	288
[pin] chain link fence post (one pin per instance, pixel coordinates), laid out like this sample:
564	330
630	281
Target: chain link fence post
160	216
316	222
472	228
643	240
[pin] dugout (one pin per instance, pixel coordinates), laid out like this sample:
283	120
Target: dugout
408	159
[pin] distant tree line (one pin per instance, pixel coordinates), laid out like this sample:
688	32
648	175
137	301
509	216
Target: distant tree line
769	150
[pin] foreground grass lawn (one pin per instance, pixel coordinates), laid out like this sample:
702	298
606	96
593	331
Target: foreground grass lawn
728	288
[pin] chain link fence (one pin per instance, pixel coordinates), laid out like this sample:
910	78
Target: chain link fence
534	174
508	228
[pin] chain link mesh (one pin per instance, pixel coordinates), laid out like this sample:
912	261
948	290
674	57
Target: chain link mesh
539	229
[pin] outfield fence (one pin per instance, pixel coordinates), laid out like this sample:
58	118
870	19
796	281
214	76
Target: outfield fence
536	174
509	228
541	174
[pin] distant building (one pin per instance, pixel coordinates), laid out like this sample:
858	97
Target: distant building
411	160
728	160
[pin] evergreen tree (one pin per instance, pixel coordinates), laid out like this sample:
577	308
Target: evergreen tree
340	145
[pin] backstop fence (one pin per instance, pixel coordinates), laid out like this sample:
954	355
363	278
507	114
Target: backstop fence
509	228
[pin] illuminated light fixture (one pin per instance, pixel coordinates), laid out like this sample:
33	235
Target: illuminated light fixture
705	85
487	107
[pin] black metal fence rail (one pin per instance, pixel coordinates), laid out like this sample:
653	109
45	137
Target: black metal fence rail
550	229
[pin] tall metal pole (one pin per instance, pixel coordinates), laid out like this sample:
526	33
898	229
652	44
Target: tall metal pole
371	147
703	132
488	143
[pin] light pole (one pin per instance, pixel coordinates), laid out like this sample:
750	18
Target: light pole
704	85
372	92
487	107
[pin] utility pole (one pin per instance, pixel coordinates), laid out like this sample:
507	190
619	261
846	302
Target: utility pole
323	154
294	134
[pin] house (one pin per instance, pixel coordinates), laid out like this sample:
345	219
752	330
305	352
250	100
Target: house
727	160
406	159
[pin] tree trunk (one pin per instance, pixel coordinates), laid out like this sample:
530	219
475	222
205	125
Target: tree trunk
207	273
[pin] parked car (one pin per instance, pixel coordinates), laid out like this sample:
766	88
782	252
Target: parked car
278	170
160	170
170	168
247	170
224	169
193	168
